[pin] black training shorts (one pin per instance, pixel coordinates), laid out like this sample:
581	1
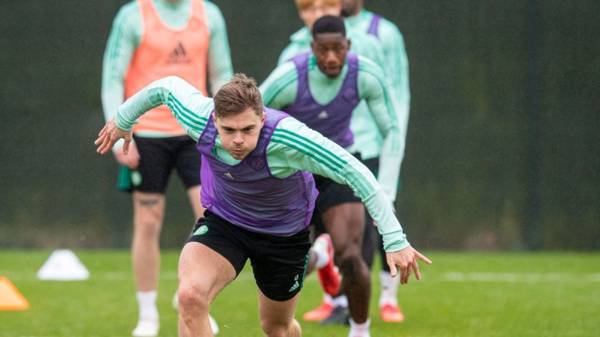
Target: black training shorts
331	194
158	157
278	263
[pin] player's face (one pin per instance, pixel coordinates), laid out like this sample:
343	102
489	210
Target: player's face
239	133
318	9
330	49
351	7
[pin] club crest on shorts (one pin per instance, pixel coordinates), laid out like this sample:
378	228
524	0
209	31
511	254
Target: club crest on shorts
201	230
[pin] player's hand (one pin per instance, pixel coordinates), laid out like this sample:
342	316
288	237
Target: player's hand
131	159
109	135
406	260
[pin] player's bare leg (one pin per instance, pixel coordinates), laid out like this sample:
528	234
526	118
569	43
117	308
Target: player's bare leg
277	317
345	224
148	213
203	273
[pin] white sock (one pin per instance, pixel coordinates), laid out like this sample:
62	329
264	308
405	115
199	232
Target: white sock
389	288
320	250
327	299
340	301
359	330
147	304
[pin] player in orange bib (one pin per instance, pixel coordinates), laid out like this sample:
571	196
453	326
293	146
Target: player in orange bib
149	40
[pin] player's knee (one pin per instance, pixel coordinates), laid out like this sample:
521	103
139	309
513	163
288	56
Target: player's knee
148	227
192	299
349	261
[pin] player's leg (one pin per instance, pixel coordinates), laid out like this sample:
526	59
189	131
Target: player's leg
188	170
203	273
149	183
339	313
210	260
345	224
277	317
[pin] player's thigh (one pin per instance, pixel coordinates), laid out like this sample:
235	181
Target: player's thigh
203	271
345	224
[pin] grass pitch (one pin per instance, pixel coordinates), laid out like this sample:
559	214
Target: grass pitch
461	295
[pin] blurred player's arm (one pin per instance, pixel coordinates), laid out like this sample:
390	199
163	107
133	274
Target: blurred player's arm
396	56
120	47
189	106
374	88
220	69
280	88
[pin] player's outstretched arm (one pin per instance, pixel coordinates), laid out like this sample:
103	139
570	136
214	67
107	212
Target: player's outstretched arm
407	261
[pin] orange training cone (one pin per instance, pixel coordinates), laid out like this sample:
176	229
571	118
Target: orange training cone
10	297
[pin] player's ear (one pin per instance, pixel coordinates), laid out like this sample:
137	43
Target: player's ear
263	116
349	43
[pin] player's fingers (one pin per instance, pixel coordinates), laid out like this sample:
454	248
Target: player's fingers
423	257
404	273
106	145
415	268
102	130
126	146
100	143
393	270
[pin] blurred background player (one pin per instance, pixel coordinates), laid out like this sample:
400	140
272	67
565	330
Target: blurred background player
368	140
151	39
398	73
322	89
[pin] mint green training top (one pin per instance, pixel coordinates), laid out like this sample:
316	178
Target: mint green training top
395	58
125	37
368	141
280	90
294	147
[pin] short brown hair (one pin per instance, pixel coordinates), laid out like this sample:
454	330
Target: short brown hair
239	94
304	4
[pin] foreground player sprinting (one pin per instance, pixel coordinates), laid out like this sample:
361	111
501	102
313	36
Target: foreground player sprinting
322	89
259	197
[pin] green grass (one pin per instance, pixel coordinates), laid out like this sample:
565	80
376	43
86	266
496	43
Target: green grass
461	295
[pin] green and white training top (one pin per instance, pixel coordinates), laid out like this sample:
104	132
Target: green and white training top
281	88
294	147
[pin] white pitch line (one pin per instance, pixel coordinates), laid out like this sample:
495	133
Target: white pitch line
521	277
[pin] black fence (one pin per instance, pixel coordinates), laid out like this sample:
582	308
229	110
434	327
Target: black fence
503	148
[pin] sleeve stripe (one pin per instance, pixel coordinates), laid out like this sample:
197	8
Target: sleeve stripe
184	119
295	145
189	112
325	153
